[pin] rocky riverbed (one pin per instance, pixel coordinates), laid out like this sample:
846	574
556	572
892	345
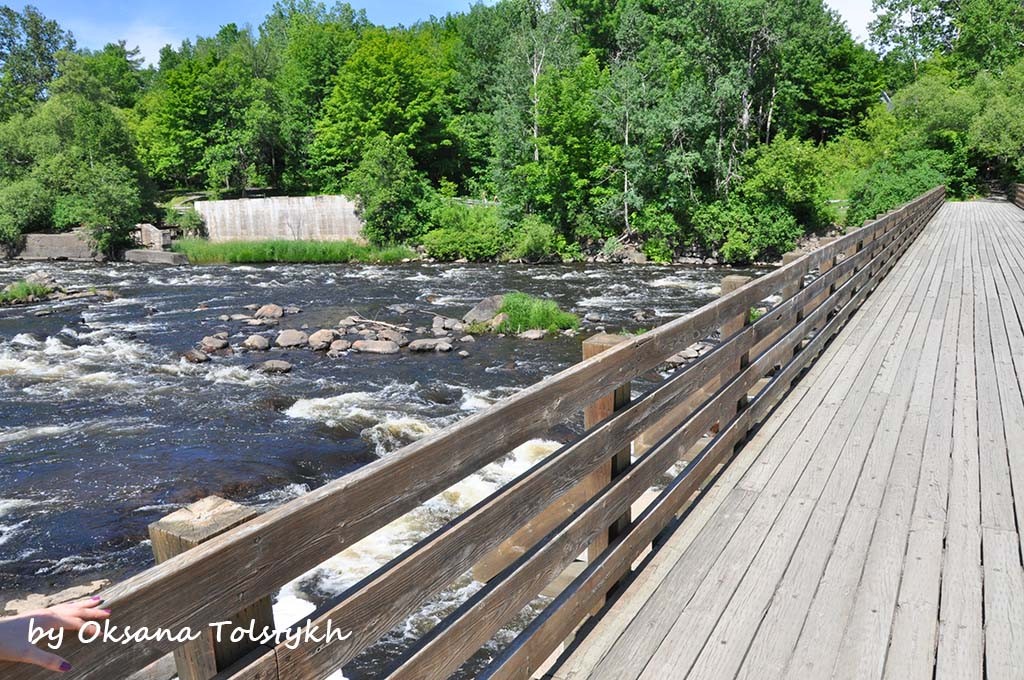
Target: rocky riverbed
105	425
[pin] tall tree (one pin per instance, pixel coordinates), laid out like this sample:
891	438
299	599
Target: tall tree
29	44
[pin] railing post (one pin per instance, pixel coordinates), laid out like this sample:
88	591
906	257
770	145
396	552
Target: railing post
183	530
618	461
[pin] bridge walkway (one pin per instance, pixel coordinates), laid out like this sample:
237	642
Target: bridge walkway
872	527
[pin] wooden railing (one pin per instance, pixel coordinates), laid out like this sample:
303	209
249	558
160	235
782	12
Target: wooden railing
713	403
1017	195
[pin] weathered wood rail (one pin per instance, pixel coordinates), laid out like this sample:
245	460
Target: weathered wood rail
714	402
1017	195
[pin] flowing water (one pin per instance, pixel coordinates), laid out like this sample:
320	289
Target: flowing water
104	428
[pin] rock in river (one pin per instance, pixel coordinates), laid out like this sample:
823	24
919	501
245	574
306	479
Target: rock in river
322	339
338	347
212	343
430	345
270	311
257	343
274	366
485	310
376	346
291	338
194	356
534	334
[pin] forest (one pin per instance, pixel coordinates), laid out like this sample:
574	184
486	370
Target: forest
524	129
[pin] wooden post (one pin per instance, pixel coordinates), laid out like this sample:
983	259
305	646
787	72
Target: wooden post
619	460
183	530
549	518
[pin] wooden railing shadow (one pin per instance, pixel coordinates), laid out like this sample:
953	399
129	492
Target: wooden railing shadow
577	498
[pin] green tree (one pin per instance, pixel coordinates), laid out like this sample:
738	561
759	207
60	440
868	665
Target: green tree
29	45
393	196
394	84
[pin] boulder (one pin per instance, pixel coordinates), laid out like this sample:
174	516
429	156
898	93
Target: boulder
485	310
401	309
239	317
212	343
292	309
593	317
42	279
256	343
339	346
195	356
291	338
467	338
322	339
375	346
464	354
533	334
273	366
394	336
430	345
270	311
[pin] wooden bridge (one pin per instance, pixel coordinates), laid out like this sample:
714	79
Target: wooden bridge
849	503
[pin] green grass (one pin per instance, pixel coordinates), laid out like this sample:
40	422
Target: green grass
526	312
21	291
201	251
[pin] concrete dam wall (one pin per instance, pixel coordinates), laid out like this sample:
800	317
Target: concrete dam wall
297	218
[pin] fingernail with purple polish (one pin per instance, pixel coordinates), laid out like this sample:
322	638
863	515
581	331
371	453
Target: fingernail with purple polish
105	610
64	666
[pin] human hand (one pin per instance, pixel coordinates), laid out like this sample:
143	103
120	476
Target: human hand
14	631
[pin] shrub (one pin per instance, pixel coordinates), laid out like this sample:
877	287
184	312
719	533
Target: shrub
201	251
393	198
659	230
189	221
742	233
527	312
25	205
892	181
470	231
533	239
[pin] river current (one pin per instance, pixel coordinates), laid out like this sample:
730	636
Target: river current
104	428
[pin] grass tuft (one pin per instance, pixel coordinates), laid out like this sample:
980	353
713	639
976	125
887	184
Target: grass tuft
23	291
201	251
526	312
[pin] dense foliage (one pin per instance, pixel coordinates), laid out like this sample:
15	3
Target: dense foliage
524	129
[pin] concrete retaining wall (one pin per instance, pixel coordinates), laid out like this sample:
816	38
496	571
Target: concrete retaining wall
302	218
73	245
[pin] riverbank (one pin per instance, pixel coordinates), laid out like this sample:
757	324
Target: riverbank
201	251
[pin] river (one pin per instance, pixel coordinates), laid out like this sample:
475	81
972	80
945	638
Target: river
104	428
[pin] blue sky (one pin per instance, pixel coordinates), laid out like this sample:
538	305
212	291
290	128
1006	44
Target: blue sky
151	24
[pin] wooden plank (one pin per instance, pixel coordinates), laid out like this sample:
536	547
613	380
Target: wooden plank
1004	605
961	643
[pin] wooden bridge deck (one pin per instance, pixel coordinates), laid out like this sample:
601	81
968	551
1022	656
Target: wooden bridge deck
872	527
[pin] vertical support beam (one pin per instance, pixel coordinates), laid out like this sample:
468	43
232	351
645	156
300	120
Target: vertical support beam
183	530
618	461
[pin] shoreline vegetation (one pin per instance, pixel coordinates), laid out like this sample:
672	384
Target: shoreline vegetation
521	130
201	251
